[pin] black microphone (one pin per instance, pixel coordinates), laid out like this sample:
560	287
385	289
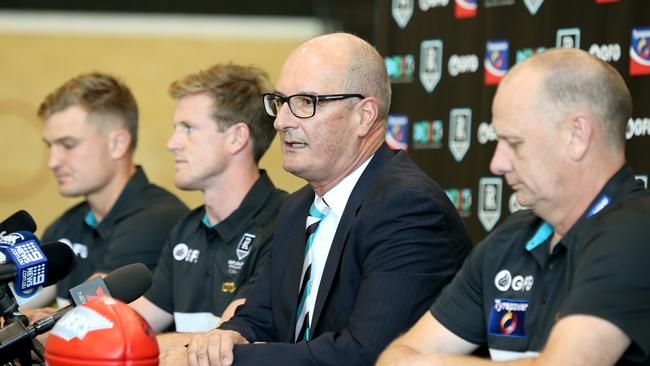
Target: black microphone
126	284
60	262
19	221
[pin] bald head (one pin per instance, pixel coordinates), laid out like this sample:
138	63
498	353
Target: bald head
359	66
572	80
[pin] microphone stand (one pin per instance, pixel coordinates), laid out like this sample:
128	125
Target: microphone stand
13	342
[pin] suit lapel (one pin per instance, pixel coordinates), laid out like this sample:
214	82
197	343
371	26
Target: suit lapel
343	230
296	236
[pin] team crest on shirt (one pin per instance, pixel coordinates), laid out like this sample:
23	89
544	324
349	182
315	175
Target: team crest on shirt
244	247
508	318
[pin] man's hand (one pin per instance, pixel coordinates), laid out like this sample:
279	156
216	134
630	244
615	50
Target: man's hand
214	348
175	357
36	314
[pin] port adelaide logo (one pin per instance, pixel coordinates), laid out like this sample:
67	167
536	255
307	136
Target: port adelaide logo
489	201
533	5
430	63
567	38
460	125
402	11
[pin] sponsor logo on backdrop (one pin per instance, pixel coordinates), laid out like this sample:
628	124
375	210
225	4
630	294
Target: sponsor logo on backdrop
493	3
400	68
485	133
430	63
643	178
507	318
462	199
465	8
462	64
397	132
637	127
402	11
428	4
460	127
606	1
567	38
489	201
527	53
427	134
496	61
514	205
533	5
640	51
606	52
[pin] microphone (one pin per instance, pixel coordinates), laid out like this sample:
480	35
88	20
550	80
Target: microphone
20	220
61	261
126	284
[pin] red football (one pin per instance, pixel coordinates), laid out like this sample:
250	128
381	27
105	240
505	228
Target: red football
103	332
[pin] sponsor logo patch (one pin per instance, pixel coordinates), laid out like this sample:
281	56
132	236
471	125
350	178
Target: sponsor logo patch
428	4
533	5
402	10
606	52
430	63
505	281
567	38
400	68
460	126
643	178
228	287
182	252
427	134
462	64
397	132
244	247
489	201
496	61
465	9
508	318
640	51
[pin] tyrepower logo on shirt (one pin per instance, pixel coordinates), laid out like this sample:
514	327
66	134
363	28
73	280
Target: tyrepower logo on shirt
507	318
496	61
640	51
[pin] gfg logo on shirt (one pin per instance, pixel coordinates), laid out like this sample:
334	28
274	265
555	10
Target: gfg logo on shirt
504	281
182	252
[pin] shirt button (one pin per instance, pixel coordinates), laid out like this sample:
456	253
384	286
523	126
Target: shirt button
550	266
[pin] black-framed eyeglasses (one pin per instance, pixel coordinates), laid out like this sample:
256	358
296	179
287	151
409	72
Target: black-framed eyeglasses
301	105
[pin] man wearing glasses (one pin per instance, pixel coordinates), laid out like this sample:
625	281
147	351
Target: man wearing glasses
361	251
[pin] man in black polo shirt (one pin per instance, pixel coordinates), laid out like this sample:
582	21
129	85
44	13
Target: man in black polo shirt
91	125
215	252
565	283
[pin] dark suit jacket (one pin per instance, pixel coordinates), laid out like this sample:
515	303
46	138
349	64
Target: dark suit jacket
399	241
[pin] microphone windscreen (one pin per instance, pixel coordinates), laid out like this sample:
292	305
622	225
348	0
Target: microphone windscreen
19	221
129	282
60	261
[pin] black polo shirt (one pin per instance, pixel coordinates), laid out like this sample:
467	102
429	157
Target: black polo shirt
203	268
511	290
134	230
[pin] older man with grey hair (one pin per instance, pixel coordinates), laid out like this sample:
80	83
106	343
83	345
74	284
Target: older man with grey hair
566	282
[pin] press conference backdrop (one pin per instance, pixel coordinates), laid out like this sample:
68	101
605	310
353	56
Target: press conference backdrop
446	57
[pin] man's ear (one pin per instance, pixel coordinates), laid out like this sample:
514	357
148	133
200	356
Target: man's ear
119	141
368	115
239	135
581	127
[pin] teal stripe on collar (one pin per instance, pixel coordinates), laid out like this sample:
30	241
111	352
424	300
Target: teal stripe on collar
543	232
90	220
206	221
